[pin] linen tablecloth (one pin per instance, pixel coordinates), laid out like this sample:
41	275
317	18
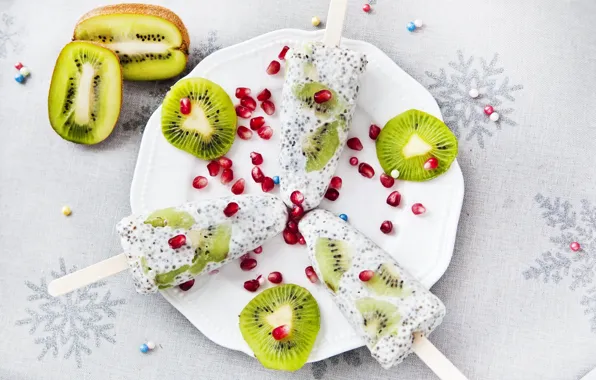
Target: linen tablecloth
521	304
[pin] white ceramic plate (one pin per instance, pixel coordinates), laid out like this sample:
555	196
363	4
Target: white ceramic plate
423	244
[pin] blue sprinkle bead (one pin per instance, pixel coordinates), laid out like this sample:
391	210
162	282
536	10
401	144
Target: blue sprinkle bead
411	26
276	180
144	348
19	78
344	217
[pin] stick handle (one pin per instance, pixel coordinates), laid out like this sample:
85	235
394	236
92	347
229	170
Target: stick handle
89	275
435	360
335	22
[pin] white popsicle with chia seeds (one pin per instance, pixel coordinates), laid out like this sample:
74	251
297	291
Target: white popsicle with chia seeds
387	309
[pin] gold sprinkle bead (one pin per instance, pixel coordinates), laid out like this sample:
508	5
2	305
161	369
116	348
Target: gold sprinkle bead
66	211
315	21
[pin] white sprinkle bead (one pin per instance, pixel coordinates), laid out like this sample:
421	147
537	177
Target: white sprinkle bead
25	71
494	116
395	173
474	93
151	345
418	23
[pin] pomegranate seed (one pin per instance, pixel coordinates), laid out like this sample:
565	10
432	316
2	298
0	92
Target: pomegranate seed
249	103
199	182
292	225
575	246
256	158
213	168
431	164
257	122
265	132
264	95
275	277
322	96
243	112
268	107
257	174
258	250
177	241
290	237
366	275
310	273
267	185
353	161
297	212
354	143
418	208
296	197
185	106
373	131
273	68
387	180
336	182
280	332
332	194
225	162
241	92
248	264
386	227
394	199
251	285
366	8
260	279
187	285
227	176
366	170
231	209
244	133
282	53
488	110
301	240
238	187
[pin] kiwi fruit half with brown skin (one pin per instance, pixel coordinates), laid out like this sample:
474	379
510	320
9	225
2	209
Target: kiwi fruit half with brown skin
85	93
151	41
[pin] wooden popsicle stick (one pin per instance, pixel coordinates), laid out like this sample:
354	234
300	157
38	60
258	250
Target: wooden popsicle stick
435	360
89	275
335	22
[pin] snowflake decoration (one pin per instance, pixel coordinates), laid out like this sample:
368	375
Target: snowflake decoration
7	36
70	321
561	261
319	369
464	114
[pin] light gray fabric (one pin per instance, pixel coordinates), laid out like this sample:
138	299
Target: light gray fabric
520	304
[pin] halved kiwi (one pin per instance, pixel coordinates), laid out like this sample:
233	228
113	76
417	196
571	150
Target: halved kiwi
334	259
151	41
408	140
380	318
305	93
289	305
85	93
320	146
170	217
208	131
387	282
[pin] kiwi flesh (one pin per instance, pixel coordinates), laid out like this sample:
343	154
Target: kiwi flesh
85	93
170	217
380	318
289	305
334	259
212	245
151	41
408	140
320	146
387	282
208	131
305	93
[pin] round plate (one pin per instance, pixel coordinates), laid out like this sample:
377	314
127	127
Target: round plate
422	244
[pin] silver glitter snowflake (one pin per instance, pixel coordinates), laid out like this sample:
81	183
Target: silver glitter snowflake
319	369
71	322
7	35
560	262
464	114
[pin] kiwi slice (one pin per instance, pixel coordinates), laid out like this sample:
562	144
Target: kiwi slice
408	140
213	245
380	318
305	93
289	305
166	280
85	93
208	131
170	217
320	146
387	282
334	259
151	41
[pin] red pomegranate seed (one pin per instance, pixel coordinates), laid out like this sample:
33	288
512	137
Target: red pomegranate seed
177	241
336	183
418	208
241	92
275	278
387	180
575	246
265	132
280	332
267	185
244	133
431	164
386	227
296	197
248	264
252	285
256	158
227	176
238	187
185	106
260	279
366	275
353	161
322	96
199	182
213	168
373	131
268	107
187	285
394	199
225	162
249	103
258	250
231	209
257	122
301	240
273	68
366	170
243	112
282	53
297	212
310	273
354	143
290	237
264	95
332	194
292	225
257	174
